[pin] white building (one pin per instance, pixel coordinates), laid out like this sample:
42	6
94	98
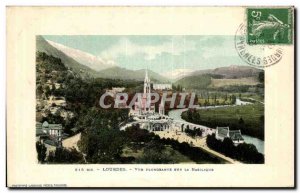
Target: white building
51	132
234	135
162	86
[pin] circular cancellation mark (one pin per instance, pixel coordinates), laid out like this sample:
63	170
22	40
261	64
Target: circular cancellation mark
259	56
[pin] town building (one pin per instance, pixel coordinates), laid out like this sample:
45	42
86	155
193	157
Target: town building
162	86
52	133
234	135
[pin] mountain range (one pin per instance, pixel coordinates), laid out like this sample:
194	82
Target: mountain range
88	64
43	46
232	71
85	63
87	59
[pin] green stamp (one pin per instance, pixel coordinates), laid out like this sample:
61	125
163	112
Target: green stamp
270	25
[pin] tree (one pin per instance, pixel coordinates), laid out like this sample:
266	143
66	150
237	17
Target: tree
189	115
262	119
193	133
215	98
39	89
249	154
47	91
154	152
102	145
233	99
261	77
196	102
41	151
63	155
242	123
206	102
244	152
196	117
228	147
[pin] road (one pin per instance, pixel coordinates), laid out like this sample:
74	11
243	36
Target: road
72	142
255	100
197	142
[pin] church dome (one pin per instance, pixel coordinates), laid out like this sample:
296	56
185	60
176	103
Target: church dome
45	124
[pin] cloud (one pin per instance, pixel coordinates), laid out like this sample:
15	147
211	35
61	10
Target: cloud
178	73
125	47
218	48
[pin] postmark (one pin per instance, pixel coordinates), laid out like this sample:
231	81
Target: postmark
270	26
256	55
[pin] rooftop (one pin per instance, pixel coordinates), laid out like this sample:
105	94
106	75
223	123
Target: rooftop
235	135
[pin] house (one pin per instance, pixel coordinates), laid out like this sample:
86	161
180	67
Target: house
234	135
52	132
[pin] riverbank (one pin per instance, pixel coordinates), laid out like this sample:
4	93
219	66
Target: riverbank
259	143
247	118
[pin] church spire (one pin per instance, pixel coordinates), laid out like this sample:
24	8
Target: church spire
147	80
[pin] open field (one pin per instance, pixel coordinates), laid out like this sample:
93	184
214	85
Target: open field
248	118
212	101
253	97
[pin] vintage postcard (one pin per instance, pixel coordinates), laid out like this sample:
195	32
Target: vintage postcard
150	97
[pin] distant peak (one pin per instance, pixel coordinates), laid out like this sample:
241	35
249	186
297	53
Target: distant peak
87	59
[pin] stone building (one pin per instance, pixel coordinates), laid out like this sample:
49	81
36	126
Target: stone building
51	133
162	86
234	135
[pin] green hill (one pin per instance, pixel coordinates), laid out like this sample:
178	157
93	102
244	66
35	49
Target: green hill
195	81
123	73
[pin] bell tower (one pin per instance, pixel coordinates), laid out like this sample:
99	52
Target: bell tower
147	91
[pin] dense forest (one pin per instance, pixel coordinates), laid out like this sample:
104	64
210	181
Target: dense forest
80	93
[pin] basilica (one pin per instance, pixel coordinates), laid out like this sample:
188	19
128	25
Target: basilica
144	113
143	106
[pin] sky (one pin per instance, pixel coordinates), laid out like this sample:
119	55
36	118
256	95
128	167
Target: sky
162	54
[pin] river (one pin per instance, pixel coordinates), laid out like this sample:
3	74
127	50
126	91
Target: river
259	144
